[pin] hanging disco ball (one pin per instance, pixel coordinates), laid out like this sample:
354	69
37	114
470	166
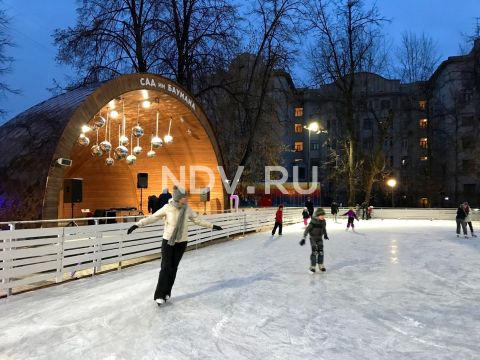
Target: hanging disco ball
96	151
157	142
138	131
151	154
168	139
137	150
109	161
123	140
83	140
121	152
99	122
105	146
131	159
116	157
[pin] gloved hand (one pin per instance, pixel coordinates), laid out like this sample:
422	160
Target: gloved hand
216	227
302	242
326	238
130	230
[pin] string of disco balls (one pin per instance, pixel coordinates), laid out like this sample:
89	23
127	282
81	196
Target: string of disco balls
121	151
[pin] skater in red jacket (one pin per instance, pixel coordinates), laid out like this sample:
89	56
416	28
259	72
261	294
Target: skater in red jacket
278	221
351	217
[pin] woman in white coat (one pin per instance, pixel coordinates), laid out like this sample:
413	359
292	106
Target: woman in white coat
176	215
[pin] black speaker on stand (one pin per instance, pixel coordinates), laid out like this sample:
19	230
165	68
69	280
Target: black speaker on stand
72	193
142	183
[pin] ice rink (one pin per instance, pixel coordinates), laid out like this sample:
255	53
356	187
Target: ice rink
393	290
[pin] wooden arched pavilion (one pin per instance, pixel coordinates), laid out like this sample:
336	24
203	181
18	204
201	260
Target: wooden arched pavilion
31	180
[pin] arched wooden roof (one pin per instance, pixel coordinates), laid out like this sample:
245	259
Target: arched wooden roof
30	143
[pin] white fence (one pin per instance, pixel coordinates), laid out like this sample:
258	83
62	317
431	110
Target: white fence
46	255
35	257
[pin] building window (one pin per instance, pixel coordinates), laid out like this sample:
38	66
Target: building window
298	146
315	146
367	124
423	158
422	105
424	143
468	121
467	95
469	188
298	128
423	123
404	146
468	142
385	104
299	112
468	166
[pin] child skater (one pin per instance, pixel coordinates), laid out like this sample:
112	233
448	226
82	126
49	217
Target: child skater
305	215
351	216
278	221
317	229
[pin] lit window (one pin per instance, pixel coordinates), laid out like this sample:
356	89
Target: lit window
423	123
298	111
423	143
298	128
315	146
422	105
423	158
298	146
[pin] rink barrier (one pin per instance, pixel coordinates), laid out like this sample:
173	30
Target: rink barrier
42	256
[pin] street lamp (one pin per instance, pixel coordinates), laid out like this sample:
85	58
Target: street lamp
312	127
392	183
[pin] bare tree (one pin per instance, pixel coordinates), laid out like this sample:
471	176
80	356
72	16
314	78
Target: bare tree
345	33
5	60
418	57
244	105
173	38
468	40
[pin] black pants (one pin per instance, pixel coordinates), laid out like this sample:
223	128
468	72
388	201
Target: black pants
171	256
470	226
317	252
461	222
279	226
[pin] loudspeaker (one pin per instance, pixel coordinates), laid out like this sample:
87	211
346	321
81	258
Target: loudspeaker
142	180
205	194
72	190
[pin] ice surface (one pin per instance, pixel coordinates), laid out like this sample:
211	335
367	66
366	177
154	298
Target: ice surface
394	290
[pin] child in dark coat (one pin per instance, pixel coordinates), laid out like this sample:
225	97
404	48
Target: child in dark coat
305	215
317	230
351	217
278	221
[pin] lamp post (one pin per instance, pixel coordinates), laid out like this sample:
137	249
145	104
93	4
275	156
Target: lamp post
392	183
312	127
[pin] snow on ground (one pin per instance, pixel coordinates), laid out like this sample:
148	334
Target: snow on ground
393	290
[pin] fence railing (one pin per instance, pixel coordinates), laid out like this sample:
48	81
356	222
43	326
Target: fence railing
40	256
36	257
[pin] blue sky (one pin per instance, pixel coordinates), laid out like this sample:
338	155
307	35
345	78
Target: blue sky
33	22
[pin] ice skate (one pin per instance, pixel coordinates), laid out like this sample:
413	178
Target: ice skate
466	236
311	269
160	302
473	235
458	235
321	267
167	297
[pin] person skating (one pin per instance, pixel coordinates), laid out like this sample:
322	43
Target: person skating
305	216
364	210
460	219
351	217
278	221
334	210
317	230
468	219
309	206
176	214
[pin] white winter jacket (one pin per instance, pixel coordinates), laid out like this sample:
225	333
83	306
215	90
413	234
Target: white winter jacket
170	214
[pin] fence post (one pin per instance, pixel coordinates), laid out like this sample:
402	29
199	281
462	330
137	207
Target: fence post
6	266
244	223
59	276
120	246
